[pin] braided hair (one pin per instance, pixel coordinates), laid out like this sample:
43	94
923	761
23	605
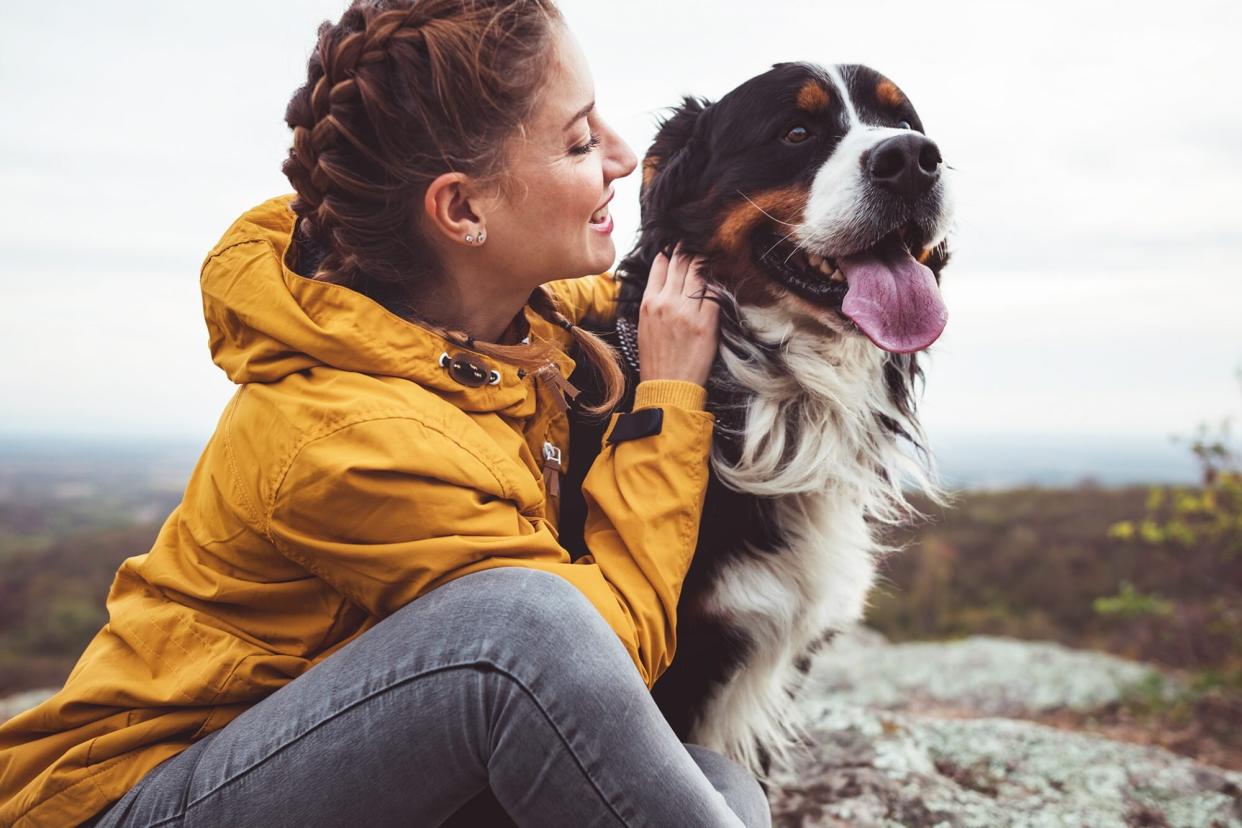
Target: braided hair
397	93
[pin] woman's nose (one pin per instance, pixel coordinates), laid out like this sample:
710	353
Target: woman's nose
622	158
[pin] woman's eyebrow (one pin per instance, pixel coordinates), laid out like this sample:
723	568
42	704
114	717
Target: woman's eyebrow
582	113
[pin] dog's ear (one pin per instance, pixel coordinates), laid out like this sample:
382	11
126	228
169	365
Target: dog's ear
672	169
675	161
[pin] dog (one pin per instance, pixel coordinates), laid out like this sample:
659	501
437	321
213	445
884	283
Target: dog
822	210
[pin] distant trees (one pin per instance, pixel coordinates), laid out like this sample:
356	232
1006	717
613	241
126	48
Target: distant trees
1199	529
52	602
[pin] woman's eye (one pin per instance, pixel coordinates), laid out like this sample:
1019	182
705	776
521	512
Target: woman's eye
797	135
588	146
904	125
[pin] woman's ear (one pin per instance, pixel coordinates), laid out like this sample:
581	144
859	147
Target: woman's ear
453	210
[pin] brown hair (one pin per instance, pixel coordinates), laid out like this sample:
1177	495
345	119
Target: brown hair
397	93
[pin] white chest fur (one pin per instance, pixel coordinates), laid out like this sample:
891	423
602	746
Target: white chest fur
811	438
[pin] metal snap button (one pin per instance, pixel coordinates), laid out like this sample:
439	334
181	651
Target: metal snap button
467	372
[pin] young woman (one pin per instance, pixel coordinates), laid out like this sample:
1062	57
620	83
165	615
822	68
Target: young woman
359	614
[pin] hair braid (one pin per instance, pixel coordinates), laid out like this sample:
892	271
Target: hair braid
342	51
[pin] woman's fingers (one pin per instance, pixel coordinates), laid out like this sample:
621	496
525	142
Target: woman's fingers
700	297
695	284
677	267
658	274
669	273
678	326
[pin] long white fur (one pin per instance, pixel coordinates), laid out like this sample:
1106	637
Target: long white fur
811	440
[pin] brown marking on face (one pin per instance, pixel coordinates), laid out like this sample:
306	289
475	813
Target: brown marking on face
813	97
925	255
784	204
888	93
651	165
736	268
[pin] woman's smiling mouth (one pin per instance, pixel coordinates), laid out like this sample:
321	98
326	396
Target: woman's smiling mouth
601	219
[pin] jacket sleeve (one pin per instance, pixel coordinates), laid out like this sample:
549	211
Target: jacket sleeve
644	501
383	526
588	298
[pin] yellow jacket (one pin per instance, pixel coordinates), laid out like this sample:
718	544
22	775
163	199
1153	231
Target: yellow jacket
349	474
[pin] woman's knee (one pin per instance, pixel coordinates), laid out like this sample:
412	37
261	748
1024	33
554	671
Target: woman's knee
515	597
493	597
528	621
542	628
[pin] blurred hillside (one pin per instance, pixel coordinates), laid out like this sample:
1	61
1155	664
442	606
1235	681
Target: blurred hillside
69	514
1043	563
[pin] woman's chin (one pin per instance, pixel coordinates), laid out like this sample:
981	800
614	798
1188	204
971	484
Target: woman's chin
603	255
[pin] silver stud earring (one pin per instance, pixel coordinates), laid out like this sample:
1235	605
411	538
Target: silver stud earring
469	238
480	238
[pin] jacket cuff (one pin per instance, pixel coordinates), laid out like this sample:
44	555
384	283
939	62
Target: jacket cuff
680	393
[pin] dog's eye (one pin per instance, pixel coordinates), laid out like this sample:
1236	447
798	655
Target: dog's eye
904	125
797	135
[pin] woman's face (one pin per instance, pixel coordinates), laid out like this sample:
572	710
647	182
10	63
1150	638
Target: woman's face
553	222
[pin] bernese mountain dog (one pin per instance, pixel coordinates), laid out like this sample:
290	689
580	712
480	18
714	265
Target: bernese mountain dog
822	208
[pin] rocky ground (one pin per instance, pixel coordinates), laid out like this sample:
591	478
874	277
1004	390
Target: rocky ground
949	734
983	732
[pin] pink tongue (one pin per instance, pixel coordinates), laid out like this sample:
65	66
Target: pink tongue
894	300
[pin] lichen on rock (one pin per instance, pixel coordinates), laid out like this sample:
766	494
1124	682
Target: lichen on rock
876	756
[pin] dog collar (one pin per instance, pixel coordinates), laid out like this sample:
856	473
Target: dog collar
627	334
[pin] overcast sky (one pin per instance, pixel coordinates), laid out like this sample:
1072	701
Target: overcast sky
1097	147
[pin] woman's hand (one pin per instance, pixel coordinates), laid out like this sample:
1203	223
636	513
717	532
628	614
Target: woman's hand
678	329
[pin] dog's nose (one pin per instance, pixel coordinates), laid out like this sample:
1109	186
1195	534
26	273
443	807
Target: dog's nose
905	164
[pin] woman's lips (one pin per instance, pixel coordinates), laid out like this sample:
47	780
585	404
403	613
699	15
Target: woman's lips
601	219
603	226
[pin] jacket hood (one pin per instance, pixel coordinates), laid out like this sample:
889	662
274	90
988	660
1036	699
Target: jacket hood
266	322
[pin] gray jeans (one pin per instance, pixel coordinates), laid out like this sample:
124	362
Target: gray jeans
507	678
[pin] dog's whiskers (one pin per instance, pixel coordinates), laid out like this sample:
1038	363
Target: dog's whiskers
796	227
778	243
769	215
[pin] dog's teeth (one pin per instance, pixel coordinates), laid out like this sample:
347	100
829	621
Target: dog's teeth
815	259
838	276
824	267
